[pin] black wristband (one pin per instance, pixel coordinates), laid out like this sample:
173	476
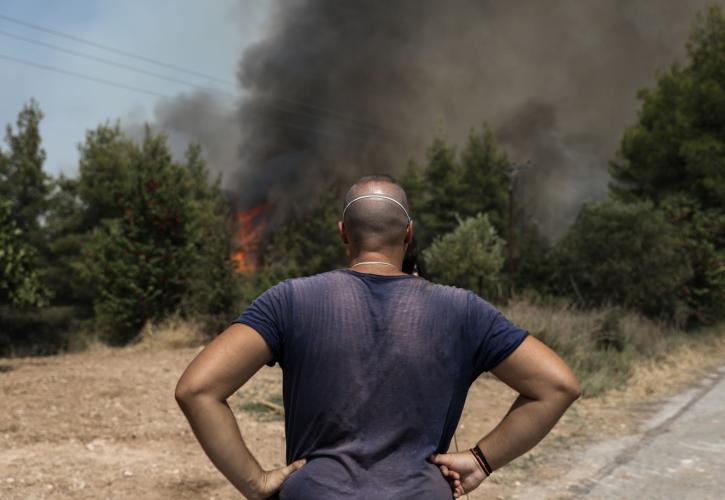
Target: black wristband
480	455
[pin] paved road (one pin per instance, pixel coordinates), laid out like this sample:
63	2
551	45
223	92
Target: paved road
680	456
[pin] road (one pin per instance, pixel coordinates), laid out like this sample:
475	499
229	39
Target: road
679	455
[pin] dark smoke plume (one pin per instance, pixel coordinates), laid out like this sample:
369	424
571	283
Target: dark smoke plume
338	89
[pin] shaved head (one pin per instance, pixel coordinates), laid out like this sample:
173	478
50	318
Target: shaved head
374	224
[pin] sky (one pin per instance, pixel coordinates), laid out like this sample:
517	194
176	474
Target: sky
206	37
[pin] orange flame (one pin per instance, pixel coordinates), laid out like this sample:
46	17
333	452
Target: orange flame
251	227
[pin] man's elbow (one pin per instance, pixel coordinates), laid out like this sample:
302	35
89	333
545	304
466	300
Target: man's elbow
186	392
569	389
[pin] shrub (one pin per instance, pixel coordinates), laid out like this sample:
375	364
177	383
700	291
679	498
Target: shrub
624	254
30	332
471	257
702	236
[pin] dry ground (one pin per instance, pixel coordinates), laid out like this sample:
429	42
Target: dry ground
104	424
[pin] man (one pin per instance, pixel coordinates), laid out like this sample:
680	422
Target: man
376	367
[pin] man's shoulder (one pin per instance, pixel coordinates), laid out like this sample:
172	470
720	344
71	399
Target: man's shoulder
462	297
310	281
448	293
323	277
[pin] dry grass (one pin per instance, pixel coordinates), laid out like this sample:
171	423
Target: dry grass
607	347
684	361
104	423
171	333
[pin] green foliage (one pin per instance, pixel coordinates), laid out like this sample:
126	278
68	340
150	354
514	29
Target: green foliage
22	180
106	161
450	185
212	286
673	157
701	234
65	235
168	249
23	188
136	237
677	144
470	256
625	254
308	242
19	282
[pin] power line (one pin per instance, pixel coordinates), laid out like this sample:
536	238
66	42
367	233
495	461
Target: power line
82	76
110	62
115	50
111	83
306	108
127	67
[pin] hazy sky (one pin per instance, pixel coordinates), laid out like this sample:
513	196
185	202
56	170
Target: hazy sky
203	36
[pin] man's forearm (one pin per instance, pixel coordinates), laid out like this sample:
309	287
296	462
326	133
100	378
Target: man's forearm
216	429
525	424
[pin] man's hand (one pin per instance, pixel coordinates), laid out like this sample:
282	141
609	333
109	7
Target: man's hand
461	470
271	481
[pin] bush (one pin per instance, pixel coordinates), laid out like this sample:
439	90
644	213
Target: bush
471	257
624	254
31	332
702	236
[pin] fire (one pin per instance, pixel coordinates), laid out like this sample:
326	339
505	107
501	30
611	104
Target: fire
251	227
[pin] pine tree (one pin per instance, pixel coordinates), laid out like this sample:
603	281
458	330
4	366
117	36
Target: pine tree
22	179
677	145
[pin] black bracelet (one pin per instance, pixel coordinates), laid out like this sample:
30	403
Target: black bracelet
487	467
479	462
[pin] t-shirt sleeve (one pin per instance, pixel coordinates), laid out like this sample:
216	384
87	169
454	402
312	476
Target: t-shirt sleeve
492	334
268	316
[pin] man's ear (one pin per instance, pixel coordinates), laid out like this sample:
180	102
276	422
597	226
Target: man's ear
343	234
409	233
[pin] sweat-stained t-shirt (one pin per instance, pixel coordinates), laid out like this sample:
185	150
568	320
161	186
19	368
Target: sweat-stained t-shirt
375	374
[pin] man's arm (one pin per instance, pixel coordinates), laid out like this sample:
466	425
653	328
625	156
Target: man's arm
546	387
202	391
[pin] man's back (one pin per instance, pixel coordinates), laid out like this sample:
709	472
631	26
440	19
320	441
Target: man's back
376	371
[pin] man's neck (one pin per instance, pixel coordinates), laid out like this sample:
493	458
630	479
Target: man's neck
377	263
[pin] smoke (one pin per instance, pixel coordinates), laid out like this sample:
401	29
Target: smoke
201	117
340	89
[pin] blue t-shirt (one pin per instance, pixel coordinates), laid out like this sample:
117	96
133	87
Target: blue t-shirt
375	374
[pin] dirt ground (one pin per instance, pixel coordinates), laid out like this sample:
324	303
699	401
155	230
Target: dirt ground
104	424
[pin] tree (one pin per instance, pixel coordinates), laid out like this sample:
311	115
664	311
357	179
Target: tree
625	254
65	235
167	250
308	241
22	179
452	185
20	285
439	184
673	157
471	257
485	176
212	284
701	235
105	164
677	143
